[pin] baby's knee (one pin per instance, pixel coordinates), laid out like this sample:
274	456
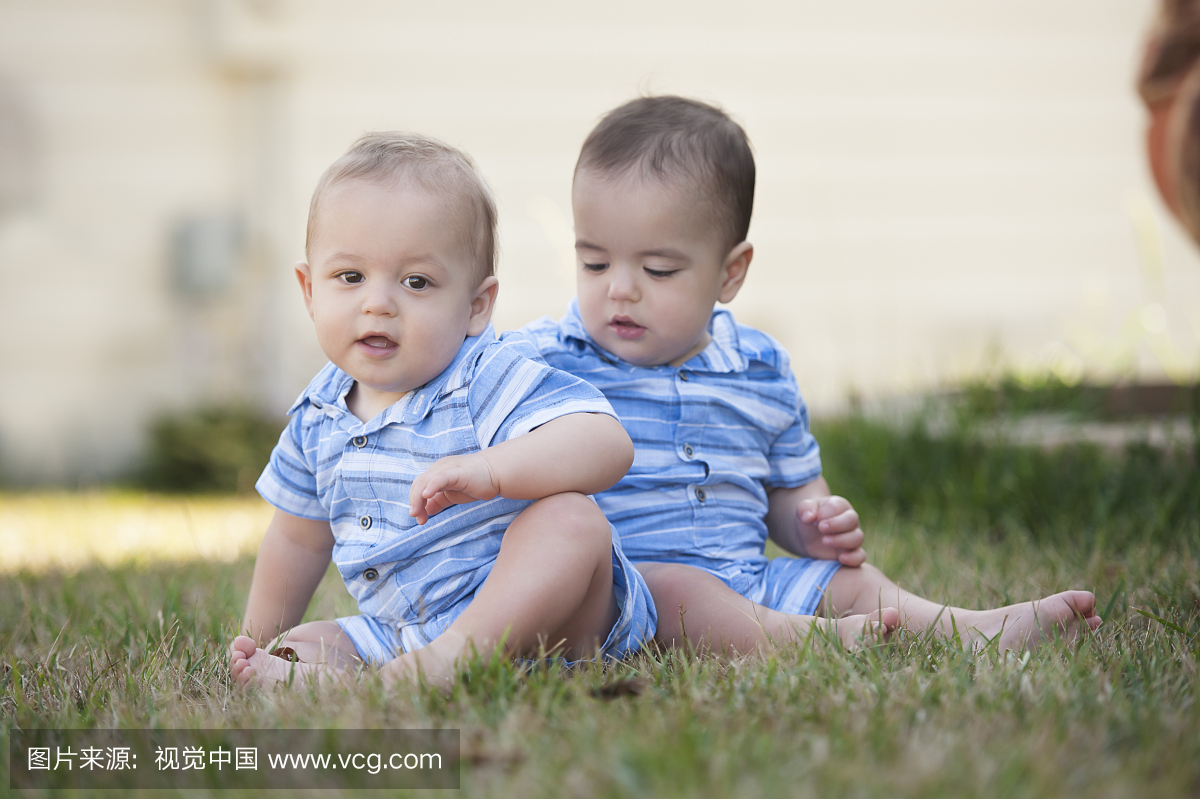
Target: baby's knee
574	515
862	580
869	574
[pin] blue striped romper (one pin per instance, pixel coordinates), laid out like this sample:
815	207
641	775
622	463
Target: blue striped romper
412	581
710	438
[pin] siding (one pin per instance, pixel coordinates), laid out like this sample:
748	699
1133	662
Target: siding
943	187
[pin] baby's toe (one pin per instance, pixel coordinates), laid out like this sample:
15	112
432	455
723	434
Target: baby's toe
246	676
1082	602
889	618
245	645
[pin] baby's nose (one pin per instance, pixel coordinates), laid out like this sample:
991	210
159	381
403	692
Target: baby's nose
622	288
379	302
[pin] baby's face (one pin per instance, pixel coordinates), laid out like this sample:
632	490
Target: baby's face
651	266
390	286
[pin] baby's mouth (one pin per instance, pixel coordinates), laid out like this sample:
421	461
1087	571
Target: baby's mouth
377	343
626	328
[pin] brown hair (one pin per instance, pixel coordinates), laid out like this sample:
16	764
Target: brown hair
433	165
1170	76
666	137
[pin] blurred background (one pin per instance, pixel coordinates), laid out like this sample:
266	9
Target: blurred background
947	192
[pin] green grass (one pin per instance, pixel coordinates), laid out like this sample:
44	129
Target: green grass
1116	715
963	484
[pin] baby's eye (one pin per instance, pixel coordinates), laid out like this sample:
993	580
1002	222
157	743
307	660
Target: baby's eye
597	268
660	272
415	282
353	278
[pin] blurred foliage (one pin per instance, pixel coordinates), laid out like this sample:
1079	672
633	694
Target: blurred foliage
217	449
958	480
1015	396
953	479
1011	395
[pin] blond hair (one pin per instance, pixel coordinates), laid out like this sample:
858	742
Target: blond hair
434	166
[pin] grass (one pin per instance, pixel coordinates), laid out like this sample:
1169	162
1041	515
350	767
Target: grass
139	643
963	484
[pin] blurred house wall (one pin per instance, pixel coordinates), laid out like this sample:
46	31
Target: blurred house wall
944	187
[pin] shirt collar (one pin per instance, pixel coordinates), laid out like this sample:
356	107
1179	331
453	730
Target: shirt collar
723	353
452	378
331	385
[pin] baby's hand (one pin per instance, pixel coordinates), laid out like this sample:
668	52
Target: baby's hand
829	530
456	480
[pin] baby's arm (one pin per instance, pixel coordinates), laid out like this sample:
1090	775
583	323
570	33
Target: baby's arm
808	521
580	452
291	561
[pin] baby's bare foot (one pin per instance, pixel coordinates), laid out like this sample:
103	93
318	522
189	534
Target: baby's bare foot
1028	625
873	627
251	665
436	663
239	660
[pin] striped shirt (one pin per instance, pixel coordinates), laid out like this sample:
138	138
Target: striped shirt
710	438
330	465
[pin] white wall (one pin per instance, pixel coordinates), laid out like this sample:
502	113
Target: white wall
943	187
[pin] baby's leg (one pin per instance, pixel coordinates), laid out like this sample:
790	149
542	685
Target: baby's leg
1020	626
322	651
551	585
697	607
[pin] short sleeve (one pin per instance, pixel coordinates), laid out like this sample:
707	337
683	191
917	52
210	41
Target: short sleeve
289	482
513	390
795	457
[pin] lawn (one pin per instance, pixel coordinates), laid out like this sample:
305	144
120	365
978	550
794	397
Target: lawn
115	609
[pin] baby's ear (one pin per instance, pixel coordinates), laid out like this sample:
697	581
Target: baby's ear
304	276
733	271
482	305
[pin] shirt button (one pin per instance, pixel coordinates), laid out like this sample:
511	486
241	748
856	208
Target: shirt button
700	495
370	575
316	403
364	522
683	376
687	450
359	441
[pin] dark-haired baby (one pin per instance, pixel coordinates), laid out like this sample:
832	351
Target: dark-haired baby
724	459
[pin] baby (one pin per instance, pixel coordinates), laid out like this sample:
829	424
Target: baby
444	471
723	455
